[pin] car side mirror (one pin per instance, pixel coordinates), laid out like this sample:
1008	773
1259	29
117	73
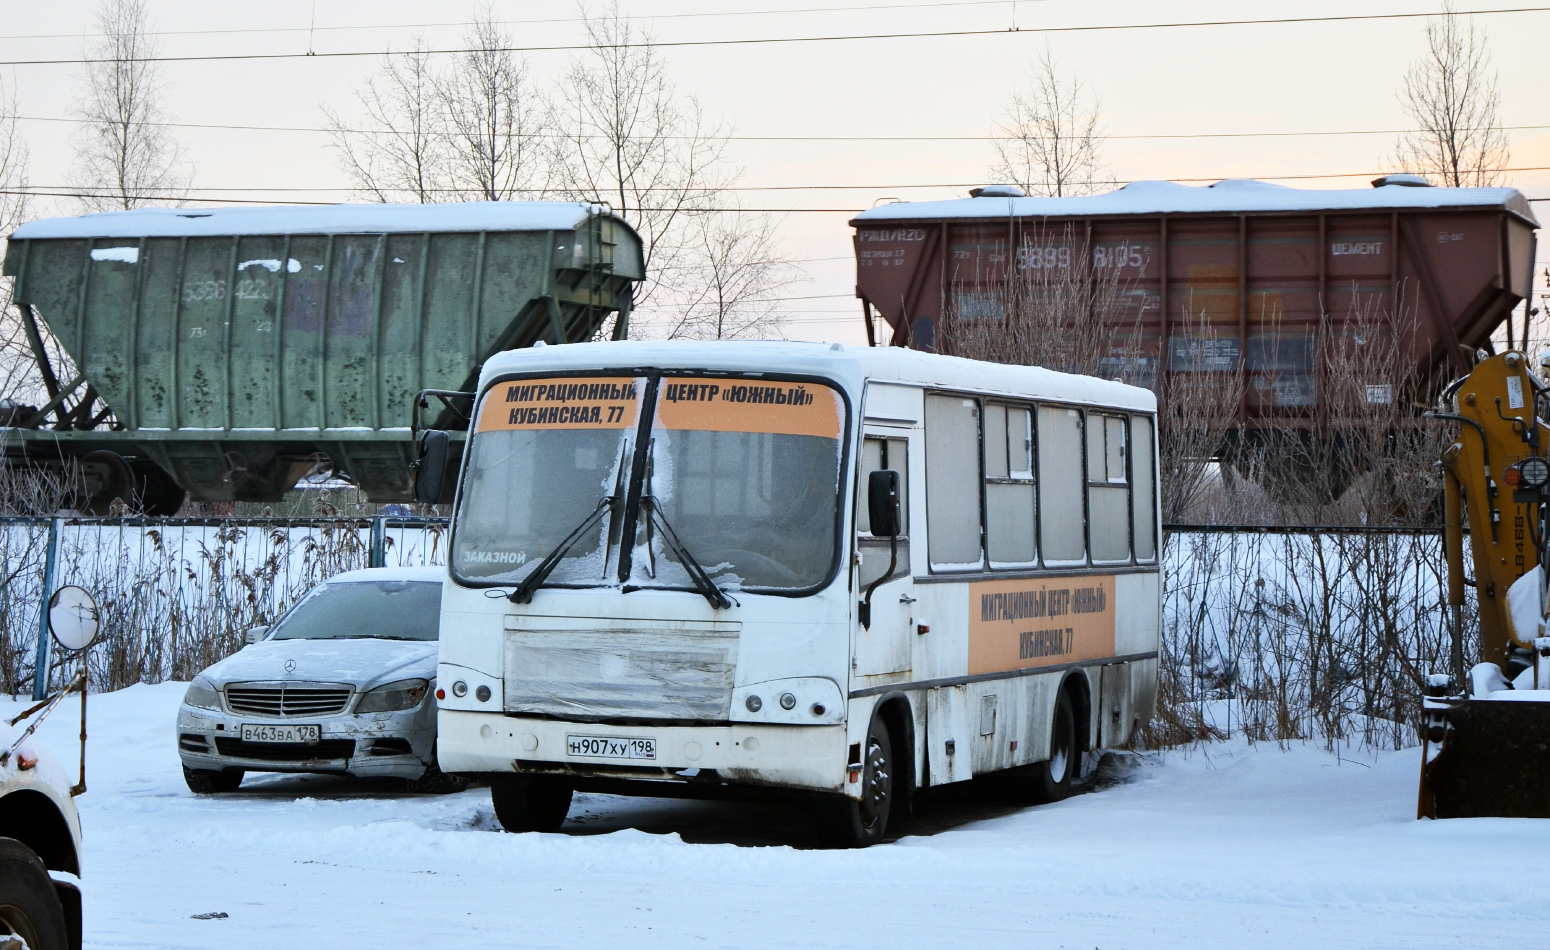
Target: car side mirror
254	634
430	469
883	503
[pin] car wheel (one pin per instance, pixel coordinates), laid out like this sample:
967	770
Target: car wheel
208	782
29	905
529	804
857	824
436	782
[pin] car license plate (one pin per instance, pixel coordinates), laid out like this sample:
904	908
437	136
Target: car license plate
611	747
263	732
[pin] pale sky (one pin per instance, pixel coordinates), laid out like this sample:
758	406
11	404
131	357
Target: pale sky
1316	77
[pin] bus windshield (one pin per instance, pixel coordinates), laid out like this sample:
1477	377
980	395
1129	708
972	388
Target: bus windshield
544	455
740	478
746	475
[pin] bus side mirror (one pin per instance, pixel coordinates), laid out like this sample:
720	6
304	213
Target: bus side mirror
882	499
430	469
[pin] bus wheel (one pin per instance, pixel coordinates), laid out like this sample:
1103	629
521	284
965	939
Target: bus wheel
526	804
29	905
1051	779
858	824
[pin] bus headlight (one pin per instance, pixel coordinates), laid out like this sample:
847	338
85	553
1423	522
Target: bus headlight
788	701
753	703
390	697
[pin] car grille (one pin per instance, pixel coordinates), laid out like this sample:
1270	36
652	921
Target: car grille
290	700
285	751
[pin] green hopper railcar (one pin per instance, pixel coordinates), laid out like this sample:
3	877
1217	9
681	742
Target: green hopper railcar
225	353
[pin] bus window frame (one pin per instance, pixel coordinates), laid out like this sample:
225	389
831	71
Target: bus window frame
1039	568
648	406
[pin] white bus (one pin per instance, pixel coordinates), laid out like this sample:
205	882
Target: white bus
664	577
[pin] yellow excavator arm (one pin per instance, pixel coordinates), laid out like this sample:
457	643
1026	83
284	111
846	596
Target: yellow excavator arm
1484	755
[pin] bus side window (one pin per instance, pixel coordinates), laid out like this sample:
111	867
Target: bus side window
878	454
1060	486
1010	500
1108	488
1143	504
953	483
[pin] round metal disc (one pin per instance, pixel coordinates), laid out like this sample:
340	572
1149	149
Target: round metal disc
72	618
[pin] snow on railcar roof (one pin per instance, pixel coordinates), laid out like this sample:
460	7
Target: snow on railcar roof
849	365
306	219
1231	195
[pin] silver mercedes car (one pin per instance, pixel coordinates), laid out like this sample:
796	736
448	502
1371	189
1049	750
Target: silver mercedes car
343	682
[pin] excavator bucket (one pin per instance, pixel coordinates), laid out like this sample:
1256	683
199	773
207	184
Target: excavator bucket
1492	762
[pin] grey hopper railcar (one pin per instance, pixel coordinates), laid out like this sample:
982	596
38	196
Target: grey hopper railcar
226	352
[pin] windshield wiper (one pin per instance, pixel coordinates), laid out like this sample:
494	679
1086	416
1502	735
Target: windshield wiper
524	592
702	582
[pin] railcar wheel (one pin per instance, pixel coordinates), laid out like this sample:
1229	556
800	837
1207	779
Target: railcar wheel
859	824
527	804
208	782
29	905
114	482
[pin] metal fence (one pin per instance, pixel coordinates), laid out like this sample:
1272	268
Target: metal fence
1274	634
177	595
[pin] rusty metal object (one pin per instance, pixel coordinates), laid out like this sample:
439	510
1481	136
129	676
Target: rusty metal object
1265	268
1493	761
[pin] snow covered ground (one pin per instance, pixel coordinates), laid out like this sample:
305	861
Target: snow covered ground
1228	847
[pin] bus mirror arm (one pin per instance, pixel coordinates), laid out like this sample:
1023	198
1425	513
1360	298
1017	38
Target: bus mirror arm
882	491
864	614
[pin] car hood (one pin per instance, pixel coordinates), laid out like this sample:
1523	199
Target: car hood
362	661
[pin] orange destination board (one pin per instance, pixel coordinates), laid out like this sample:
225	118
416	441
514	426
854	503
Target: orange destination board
1033	622
735	405
566	402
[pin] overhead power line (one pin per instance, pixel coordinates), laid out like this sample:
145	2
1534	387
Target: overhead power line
345	189
717	14
806	138
787	40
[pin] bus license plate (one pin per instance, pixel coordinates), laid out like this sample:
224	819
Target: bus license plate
611	747
262	732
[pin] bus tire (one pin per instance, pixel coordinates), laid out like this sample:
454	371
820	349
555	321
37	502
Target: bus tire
527	804
29	904
1051	779
208	782
849	823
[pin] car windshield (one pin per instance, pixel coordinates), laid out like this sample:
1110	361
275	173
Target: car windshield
387	610
545	453
740	476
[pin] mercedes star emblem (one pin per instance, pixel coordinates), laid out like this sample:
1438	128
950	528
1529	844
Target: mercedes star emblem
290	666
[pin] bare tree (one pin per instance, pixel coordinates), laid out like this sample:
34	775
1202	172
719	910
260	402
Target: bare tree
472	131
1450	95
1052	142
626	137
740	271
495	119
17	380
398	149
125	155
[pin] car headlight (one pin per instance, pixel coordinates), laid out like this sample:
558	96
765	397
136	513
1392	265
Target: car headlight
202	694
403	694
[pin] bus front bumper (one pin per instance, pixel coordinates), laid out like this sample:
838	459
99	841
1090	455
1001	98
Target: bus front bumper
807	757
